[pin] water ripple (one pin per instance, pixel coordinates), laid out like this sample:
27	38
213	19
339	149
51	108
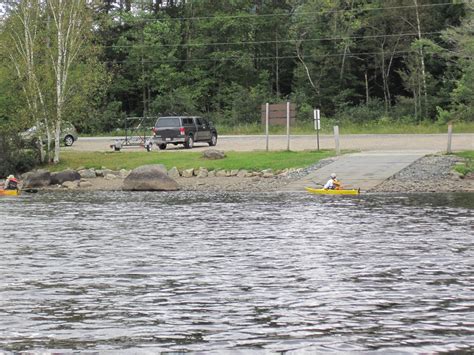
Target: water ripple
183	271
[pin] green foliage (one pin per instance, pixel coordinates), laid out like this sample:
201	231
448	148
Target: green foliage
362	113
468	166
443	116
224	59
14	157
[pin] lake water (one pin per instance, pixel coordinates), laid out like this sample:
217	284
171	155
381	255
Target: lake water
233	272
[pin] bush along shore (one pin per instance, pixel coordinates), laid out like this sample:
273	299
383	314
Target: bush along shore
429	174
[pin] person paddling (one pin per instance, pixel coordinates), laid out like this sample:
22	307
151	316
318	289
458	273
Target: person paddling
333	183
11	183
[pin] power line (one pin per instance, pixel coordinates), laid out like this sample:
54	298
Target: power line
395	53
270	42
322	12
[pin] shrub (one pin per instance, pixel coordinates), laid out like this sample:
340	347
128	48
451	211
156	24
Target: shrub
442	116
14	157
362	113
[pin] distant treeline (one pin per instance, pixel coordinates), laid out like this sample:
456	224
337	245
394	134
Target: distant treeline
356	60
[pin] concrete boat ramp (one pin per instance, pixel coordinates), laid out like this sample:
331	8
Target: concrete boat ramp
363	170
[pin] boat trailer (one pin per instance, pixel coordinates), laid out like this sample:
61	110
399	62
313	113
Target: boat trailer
137	133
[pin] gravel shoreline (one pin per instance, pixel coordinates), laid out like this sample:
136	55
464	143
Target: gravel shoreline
432	173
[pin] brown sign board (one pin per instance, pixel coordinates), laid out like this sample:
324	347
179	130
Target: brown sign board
277	114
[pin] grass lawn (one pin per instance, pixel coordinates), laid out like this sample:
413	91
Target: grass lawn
251	161
469	166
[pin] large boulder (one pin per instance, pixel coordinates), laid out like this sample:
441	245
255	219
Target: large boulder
213	154
63	176
38	178
149	178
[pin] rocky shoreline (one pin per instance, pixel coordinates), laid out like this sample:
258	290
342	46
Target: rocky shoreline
432	173
428	174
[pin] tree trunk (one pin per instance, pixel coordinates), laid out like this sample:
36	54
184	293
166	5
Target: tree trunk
308	74
384	81
341	73
422	59
59	81
415	101
277	66
366	89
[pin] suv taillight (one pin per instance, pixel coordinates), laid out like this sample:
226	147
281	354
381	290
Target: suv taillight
181	131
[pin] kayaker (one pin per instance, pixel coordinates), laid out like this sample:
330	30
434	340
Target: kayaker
11	183
333	183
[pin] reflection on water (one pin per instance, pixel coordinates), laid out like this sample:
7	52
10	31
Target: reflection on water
213	272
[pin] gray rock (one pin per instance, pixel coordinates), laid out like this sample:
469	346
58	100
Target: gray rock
70	184
123	173
202	173
63	176
213	154
221	173
38	178
174	173
87	173
188	173
242	173
149	178
104	172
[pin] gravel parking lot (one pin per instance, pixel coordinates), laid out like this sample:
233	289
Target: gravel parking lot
425	142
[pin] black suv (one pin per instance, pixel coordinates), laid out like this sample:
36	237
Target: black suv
183	130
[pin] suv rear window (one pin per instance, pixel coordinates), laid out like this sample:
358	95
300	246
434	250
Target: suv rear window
168	122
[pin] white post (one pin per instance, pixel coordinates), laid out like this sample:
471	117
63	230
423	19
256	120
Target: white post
288	125
317	124
336	138
267	114
450	135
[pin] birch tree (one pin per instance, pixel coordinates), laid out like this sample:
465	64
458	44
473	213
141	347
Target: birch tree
70	24
21	45
46	41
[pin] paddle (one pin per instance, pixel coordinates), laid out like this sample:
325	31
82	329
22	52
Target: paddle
31	191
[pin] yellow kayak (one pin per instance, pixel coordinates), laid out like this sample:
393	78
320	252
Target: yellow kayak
333	192
9	192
